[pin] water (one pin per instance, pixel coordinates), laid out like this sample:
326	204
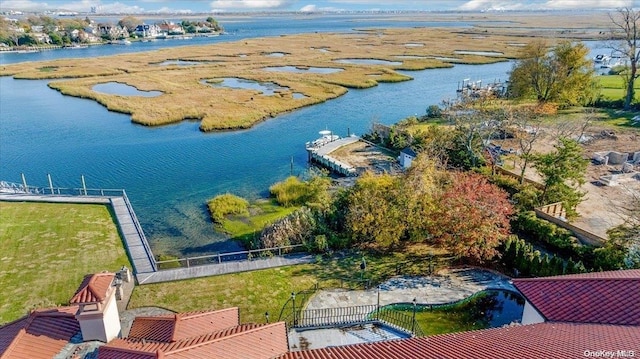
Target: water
266	88
170	172
311	70
115	88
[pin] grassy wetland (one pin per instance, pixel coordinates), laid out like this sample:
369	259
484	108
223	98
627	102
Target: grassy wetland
187	76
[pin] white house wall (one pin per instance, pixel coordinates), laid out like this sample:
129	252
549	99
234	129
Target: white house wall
530	315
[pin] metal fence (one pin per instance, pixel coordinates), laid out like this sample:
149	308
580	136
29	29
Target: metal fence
15	188
229	257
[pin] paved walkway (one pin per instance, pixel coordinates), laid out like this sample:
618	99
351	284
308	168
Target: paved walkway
452	285
223	268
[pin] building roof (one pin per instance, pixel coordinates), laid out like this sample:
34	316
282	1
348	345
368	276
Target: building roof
409	151
93	289
542	340
170	328
41	334
242	342
601	298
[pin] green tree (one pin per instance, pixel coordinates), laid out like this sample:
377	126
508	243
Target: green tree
563	75
626	27
562	173
374	217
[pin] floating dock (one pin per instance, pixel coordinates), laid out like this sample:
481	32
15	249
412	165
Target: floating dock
319	151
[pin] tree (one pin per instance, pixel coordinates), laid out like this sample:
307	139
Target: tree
472	217
563	75
625	27
129	22
563	173
373	214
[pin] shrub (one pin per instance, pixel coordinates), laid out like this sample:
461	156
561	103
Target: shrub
434	111
294	192
225	204
546	232
296	228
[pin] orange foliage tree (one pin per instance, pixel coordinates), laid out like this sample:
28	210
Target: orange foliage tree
472	218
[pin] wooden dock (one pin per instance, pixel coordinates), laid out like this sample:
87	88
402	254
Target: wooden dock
321	155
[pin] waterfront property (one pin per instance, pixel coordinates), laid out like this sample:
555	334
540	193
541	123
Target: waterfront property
320	152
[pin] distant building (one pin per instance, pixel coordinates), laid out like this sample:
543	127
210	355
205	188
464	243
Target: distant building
146	30
407	155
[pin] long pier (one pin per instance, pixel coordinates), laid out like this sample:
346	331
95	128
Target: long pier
320	152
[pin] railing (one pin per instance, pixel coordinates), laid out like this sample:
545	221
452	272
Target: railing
143	238
14	188
228	257
398	320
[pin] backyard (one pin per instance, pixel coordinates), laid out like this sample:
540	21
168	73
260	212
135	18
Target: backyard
47	248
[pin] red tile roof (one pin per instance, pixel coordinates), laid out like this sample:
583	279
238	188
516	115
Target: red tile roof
93	289
605	297
41	334
169	328
543	340
242	342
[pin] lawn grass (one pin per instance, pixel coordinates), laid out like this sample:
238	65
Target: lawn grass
613	87
257	292
47	248
463	316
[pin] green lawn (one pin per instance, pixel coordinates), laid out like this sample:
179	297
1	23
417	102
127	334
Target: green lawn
613	87
268	290
472	313
46	249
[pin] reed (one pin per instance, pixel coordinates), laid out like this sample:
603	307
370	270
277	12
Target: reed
188	91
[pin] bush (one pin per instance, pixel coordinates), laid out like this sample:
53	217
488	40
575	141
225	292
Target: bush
296	228
434	111
546	232
294	192
225	204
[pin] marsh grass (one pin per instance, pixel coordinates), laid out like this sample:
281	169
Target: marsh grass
46	249
185	96
243	227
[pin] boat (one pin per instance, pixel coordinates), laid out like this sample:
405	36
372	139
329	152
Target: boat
599	59
121	42
326	136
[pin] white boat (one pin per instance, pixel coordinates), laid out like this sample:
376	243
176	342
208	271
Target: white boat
599	59
326	137
122	42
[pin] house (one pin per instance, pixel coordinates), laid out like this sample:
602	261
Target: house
600	298
112	31
91	316
213	334
97	310
407	155
169	28
90	328
576	316
146	30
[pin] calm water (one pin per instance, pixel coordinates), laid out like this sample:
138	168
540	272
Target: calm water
170	172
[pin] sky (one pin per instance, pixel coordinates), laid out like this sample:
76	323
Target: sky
196	6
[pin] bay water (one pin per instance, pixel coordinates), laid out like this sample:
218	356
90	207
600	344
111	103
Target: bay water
170	172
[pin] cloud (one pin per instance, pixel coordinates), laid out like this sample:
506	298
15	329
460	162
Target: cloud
314	8
251	4
24	5
475	5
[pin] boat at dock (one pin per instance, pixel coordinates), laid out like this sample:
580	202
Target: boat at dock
320	149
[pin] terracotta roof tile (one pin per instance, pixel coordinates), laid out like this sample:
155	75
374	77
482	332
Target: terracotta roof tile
605	297
543	340
168	328
41	334
93	289
243	342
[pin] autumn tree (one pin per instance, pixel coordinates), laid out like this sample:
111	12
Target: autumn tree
373	214
129	22
562	171
472	217
420	186
626	24
563	75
